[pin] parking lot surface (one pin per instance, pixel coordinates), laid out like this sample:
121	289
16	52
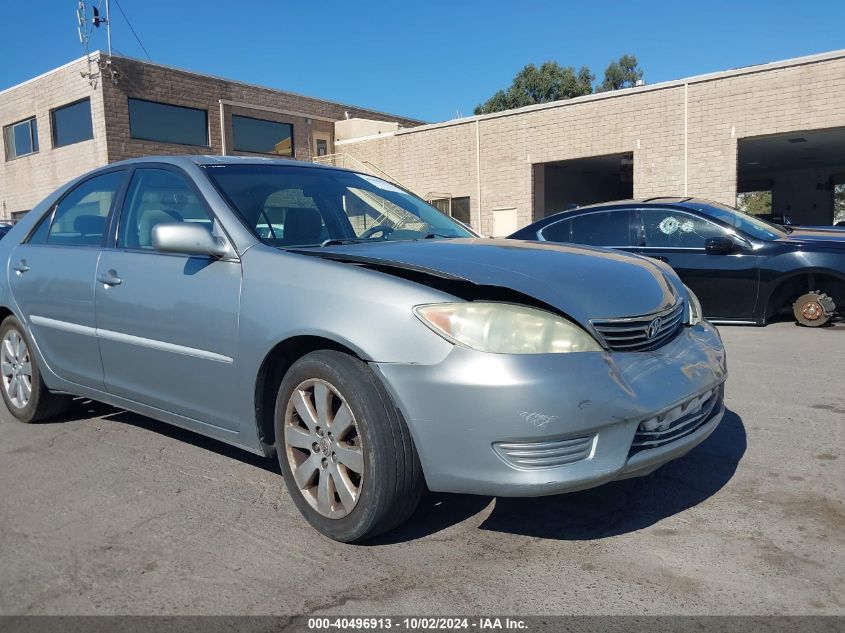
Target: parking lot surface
108	512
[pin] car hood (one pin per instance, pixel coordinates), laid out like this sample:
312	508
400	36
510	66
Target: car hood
582	282
816	237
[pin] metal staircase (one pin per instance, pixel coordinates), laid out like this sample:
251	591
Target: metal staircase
348	161
387	211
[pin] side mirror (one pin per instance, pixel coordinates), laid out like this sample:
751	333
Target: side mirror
719	245
187	238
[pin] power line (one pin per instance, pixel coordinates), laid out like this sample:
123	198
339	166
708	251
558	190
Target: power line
131	28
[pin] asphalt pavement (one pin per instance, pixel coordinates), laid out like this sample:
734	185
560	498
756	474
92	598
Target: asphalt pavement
107	512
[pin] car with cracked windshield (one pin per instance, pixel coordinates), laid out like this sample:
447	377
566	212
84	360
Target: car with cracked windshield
370	343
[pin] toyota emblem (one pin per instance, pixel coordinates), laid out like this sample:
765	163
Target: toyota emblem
653	328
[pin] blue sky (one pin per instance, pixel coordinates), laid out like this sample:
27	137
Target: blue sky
429	60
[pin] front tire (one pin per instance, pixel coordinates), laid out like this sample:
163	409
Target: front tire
23	390
346	454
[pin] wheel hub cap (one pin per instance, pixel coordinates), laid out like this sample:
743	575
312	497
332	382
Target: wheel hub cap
812	311
16	369
323	448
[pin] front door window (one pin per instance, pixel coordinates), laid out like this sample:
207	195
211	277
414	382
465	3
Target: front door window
668	228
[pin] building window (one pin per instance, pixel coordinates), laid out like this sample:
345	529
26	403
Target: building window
72	123
457	208
151	121
261	136
21	138
460	209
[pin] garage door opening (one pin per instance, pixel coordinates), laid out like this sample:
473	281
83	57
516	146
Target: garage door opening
564	184
795	178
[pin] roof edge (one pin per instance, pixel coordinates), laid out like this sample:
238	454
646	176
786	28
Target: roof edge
263	87
615	94
92	56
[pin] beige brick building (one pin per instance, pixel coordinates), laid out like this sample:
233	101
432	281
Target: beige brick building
777	127
46	156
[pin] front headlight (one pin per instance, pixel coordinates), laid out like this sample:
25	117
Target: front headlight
695	314
504	328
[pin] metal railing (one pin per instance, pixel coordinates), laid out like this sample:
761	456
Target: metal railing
386	209
348	161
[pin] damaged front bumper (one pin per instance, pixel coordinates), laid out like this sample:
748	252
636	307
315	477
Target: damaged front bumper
532	425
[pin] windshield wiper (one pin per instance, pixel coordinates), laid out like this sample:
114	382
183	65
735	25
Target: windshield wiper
337	241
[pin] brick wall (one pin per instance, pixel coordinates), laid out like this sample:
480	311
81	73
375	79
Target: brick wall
648	122
178	87
26	180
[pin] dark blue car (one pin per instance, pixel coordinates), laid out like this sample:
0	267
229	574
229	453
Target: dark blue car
743	269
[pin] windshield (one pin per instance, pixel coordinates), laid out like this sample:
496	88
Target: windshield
287	205
755	227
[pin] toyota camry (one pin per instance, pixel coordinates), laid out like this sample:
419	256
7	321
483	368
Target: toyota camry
339	323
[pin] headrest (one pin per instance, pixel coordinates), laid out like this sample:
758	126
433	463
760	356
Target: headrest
302	225
89	224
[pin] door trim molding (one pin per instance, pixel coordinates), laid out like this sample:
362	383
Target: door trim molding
130	339
63	325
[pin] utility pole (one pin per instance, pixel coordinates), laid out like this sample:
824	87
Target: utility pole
84	36
97	21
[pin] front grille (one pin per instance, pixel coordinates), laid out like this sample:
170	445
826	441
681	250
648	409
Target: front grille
637	334
682	420
545	454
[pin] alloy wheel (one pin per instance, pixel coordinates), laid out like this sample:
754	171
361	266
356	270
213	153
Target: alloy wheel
16	369
323	448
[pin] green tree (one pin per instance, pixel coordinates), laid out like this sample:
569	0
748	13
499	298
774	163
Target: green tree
839	203
754	202
623	73
549	82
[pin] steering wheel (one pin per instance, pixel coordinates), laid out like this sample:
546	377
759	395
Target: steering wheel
384	229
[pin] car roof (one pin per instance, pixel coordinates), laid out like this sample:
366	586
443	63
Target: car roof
210	159
694	204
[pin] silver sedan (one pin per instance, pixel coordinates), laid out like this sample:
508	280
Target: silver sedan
369	342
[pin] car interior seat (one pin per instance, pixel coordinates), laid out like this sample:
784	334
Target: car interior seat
90	228
148	219
303	225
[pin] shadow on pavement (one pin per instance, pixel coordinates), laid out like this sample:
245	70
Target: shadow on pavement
633	504
83	409
610	510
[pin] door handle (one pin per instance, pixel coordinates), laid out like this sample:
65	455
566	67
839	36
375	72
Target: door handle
110	278
21	266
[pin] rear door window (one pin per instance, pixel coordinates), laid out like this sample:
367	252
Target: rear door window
603	228
80	217
558	232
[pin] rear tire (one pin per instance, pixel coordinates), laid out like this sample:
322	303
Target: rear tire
813	309
24	392
345	452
